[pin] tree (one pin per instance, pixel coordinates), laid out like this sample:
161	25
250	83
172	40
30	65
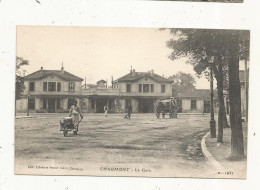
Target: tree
19	84
238	49
199	45
182	82
225	46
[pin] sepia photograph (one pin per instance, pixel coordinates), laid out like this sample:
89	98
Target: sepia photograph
146	102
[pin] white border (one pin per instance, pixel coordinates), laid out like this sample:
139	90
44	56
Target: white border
131	14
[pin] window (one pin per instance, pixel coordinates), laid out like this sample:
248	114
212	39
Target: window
193	104
163	88
140	87
44	86
59	86
31	103
58	103
128	87
71	86
51	86
84	104
44	104
152	88
145	88
31	86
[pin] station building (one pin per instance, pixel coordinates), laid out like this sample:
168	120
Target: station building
49	91
142	90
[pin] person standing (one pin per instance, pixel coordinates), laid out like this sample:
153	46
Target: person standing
129	111
75	112
105	110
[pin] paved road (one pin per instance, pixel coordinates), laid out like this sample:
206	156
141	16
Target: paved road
112	146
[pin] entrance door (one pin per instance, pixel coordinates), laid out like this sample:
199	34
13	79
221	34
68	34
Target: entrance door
100	103
51	105
146	106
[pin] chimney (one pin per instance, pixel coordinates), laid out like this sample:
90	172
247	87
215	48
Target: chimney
62	69
152	72
133	73
41	69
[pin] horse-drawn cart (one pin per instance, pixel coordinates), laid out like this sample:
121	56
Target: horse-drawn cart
167	106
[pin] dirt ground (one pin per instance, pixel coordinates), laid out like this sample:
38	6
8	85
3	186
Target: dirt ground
112	146
222	151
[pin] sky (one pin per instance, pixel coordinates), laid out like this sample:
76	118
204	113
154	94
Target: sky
99	52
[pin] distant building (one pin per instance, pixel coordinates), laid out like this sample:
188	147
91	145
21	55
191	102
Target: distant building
195	101
54	90
142	90
49	91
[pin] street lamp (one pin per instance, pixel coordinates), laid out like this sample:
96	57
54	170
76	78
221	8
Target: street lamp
28	96
212	121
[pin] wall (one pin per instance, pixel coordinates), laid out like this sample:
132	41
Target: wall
186	106
38	88
157	88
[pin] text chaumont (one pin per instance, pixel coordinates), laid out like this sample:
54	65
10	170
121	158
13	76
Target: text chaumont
115	169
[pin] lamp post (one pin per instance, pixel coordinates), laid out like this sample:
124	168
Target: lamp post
28	96
212	121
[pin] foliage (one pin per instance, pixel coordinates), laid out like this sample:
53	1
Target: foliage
183	81
19	85
217	50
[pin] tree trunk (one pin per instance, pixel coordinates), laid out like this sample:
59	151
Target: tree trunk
221	110
237	145
225	122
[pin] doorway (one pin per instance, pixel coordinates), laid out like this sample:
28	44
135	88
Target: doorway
51	105
100	103
146	106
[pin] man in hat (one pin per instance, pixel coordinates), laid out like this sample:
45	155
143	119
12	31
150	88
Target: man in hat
75	112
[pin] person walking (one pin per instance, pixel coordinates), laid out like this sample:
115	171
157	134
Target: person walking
105	110
75	112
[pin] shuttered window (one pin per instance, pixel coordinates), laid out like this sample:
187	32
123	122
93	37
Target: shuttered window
44	86
31	86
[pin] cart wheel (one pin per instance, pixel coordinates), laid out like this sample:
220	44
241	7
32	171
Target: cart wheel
65	132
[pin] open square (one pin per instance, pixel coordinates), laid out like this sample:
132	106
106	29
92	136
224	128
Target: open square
104	143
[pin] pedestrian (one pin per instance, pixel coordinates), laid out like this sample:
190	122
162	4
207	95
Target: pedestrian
75	112
129	111
105	110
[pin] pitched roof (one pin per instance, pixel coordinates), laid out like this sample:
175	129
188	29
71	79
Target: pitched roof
196	93
40	74
135	76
